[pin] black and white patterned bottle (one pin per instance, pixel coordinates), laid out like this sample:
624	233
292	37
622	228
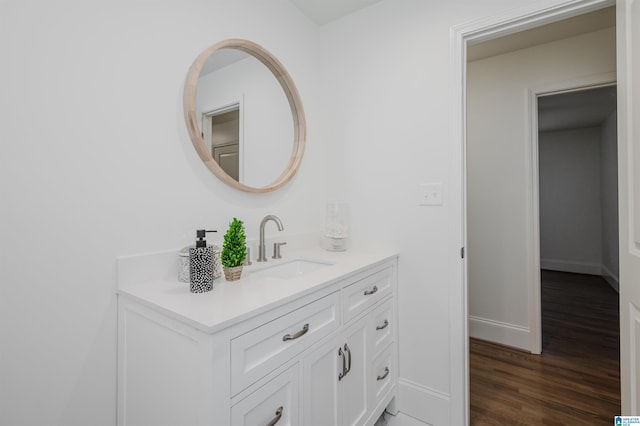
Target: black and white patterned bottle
201	265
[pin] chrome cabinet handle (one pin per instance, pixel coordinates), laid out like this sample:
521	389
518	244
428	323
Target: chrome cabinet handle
276	419
348	350
384	376
383	326
300	333
344	364
372	291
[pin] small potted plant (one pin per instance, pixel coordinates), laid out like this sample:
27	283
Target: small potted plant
234	250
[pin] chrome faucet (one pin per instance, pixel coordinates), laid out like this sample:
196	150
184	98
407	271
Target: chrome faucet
261	249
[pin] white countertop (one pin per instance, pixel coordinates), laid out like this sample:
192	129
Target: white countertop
152	280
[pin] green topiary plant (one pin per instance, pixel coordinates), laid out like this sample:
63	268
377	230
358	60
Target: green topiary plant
234	248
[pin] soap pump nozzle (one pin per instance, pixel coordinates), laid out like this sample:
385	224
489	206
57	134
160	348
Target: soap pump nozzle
200	237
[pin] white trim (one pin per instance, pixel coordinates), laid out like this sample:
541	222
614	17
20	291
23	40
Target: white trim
533	211
611	278
486	29
587	82
634	348
458	323
630	139
500	332
427	404
459	334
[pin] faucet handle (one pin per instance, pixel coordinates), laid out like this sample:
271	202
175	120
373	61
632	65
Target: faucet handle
276	250
247	260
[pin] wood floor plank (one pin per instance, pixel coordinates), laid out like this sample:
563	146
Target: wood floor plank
576	379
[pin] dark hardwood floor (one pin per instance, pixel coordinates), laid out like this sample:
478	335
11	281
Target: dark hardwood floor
576	379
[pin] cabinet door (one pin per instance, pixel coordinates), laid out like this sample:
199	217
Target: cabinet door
321	367
276	403
354	387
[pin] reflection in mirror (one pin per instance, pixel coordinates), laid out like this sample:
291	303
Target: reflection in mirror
248	115
221	132
246	119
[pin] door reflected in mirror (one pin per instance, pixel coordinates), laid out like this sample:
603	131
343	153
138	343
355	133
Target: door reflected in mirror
222	133
247	116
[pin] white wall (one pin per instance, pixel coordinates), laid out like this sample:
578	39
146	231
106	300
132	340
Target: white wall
388	122
609	199
499	176
579	200
96	162
570	207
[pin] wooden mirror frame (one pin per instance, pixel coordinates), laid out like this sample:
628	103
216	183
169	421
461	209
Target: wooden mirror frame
295	103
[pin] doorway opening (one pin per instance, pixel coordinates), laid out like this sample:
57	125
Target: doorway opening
221	133
466	37
578	182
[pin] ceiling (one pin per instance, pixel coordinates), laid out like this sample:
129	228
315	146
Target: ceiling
222	58
577	109
581	24
324	11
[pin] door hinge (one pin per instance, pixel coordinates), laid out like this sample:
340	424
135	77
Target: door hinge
462	253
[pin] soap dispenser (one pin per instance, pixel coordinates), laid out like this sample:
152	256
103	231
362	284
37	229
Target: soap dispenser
201	265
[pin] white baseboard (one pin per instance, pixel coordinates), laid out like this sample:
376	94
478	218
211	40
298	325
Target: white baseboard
590	268
611	278
425	404
500	332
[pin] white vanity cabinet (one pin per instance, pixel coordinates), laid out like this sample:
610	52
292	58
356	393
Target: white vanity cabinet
341	381
325	354
335	388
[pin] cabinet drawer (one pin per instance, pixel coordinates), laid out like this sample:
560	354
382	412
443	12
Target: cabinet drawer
384	375
382	327
363	294
275	403
261	350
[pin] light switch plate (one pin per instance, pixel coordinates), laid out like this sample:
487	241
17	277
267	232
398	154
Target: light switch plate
431	194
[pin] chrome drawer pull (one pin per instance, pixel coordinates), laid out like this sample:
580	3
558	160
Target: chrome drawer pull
276	419
372	291
384	376
300	333
344	364
383	326
347	351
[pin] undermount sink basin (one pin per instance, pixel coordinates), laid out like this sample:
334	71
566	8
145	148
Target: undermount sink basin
291	268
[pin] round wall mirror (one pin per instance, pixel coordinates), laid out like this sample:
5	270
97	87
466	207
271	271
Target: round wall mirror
244	116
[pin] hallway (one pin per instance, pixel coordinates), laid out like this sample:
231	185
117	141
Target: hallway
576	379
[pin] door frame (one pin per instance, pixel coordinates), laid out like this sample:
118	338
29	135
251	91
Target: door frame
535	291
478	31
